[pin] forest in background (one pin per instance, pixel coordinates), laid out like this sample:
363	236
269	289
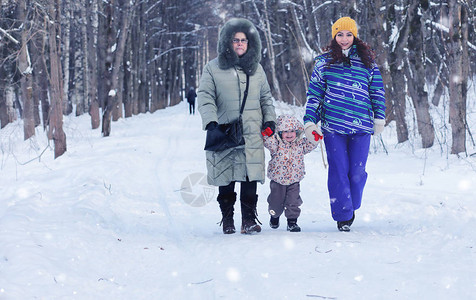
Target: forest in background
117	58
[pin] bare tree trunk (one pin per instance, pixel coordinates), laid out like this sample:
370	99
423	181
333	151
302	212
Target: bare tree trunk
40	77
92	33
174	84
117	108
381	49
3	109
396	107
415	72
265	25
162	101
110	40
458	84
466	14
135	52
67	107
75	78
4	116
42	88
142	94
128	79
313	32
151	78
27	97
114	61
300	78
10	99
25	68
56	117
82	105
102	54
441	85
118	79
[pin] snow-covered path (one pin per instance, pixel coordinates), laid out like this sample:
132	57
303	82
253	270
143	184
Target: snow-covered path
108	220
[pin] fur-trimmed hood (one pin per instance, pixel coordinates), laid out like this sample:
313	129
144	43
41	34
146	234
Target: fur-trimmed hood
227	58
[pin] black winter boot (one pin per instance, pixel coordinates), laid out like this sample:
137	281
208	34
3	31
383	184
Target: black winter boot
345	225
248	215
274	222
227	201
293	226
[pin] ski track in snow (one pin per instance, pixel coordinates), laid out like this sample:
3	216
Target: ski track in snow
107	220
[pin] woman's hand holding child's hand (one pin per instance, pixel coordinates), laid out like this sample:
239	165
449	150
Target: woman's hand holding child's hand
269	128
313	133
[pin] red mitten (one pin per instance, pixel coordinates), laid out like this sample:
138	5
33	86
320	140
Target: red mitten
312	132
317	136
267	132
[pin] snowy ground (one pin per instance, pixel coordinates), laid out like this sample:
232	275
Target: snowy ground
109	220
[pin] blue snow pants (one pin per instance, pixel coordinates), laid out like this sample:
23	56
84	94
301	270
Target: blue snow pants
347	156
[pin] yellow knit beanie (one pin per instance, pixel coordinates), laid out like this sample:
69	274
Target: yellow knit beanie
344	23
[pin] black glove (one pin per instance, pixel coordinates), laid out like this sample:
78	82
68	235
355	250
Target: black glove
211	126
271	125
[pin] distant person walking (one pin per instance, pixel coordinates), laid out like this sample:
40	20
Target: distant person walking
191	95
234	76
346	96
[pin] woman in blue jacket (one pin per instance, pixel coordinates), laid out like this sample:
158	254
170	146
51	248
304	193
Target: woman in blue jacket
345	105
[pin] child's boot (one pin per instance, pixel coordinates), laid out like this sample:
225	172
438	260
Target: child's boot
293	226
274	222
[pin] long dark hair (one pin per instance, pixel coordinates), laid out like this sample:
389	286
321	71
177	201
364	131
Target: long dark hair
366	54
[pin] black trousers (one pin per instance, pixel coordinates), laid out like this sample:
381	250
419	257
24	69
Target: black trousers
247	189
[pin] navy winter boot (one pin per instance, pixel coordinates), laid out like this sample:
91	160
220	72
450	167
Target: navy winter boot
227	201
249	215
274	222
345	225
293	226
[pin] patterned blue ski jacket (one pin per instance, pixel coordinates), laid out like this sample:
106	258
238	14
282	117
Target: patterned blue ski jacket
345	97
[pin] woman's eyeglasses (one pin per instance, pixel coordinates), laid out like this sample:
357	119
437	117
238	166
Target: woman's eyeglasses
243	41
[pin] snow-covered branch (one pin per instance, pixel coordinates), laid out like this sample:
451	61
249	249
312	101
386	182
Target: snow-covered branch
11	38
170	50
445	29
324	4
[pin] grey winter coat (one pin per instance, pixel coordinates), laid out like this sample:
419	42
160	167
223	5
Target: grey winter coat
220	95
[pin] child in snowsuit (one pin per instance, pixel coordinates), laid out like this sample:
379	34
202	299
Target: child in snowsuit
286	170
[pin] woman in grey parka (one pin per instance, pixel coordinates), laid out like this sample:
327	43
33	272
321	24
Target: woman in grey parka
220	95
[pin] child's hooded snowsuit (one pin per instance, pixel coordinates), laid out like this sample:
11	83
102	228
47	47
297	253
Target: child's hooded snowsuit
287	159
286	168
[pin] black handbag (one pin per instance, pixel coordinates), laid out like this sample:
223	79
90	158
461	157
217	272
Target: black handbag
229	135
